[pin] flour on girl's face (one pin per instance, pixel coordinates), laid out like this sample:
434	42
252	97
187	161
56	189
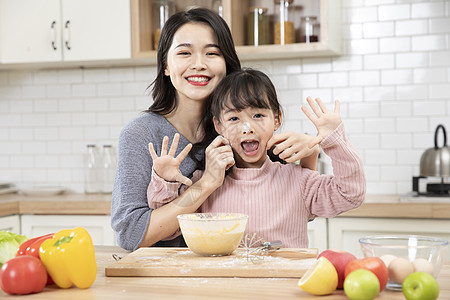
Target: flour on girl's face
245	127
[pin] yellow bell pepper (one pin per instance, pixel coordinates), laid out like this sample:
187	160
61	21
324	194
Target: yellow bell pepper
69	258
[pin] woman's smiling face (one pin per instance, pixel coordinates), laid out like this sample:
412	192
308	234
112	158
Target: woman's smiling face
248	131
195	63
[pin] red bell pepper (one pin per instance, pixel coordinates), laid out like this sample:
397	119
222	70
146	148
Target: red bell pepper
31	246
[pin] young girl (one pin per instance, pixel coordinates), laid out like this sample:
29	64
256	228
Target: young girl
279	199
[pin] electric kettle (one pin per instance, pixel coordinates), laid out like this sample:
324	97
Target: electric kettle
435	162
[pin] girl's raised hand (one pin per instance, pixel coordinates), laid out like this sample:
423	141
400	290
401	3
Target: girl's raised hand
219	158
167	166
325	121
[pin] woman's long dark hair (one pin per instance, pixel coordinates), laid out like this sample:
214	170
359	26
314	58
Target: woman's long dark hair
163	92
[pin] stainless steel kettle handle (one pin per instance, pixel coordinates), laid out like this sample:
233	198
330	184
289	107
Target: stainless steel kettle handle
436	136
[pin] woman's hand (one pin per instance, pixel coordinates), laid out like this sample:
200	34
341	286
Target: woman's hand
219	158
292	146
326	122
167	166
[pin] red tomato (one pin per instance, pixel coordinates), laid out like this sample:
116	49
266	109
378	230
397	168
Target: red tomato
23	275
373	264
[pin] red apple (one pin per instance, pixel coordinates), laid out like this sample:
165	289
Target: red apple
339	259
374	264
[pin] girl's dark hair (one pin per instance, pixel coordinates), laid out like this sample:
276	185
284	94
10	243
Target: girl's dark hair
241	89
163	92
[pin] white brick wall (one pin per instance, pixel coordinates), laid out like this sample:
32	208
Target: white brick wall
393	81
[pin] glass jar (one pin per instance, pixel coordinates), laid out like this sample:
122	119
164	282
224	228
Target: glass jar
162	10
218	7
91	172
284	27
258	26
108	172
308	32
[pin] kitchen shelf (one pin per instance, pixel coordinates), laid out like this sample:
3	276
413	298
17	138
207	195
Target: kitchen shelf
234	13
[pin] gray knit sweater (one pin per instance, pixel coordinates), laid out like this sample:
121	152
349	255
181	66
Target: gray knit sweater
130	213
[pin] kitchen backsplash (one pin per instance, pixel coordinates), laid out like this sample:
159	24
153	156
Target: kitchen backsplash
393	81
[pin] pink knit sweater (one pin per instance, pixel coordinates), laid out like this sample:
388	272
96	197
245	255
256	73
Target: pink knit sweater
281	199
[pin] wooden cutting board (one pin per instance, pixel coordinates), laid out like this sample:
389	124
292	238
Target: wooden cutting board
181	262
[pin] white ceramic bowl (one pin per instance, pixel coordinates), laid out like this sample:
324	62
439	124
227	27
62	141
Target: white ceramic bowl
212	234
410	247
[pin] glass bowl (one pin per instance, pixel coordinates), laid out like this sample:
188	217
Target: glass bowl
410	247
212	234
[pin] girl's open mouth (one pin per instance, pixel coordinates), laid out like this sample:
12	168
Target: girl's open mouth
250	147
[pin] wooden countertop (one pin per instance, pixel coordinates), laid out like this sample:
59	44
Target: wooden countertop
197	288
375	206
64	204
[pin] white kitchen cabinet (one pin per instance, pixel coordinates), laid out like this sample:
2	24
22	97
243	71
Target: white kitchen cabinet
34	31
344	233
317	234
10	223
98	226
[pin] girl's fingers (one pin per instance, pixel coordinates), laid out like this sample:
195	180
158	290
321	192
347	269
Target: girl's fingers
321	105
219	140
221	153
309	114
294	152
230	162
297	156
276	139
152	151
165	144
225	159
184	152
225	155
282	147
288	151
174	146
315	141
315	108
337	106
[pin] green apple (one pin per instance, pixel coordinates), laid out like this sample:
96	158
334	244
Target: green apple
361	284
420	286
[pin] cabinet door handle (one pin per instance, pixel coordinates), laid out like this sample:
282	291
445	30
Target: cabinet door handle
67	28
52	27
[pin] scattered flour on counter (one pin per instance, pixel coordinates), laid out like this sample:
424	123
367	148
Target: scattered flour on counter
183	270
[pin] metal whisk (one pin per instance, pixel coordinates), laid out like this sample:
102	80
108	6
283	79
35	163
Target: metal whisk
255	247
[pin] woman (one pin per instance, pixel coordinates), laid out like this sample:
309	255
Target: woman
195	52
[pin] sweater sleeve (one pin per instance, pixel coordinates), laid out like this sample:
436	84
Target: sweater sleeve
330	195
161	192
